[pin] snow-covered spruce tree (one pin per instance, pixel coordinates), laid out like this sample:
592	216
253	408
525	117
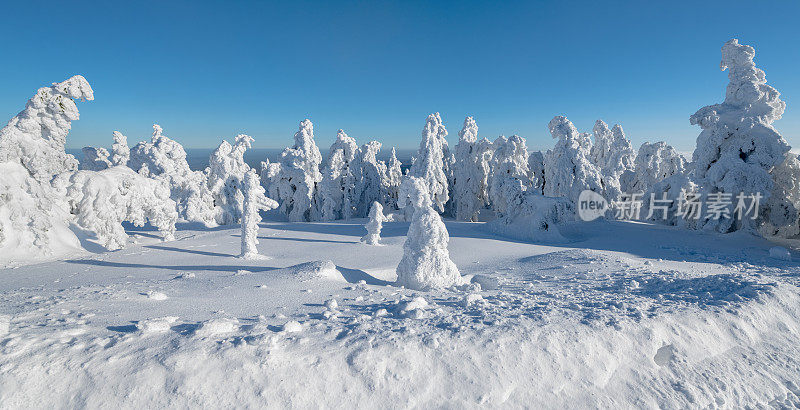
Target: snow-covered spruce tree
120	152
394	176
509	165
536	169
34	217
254	201
431	162
102	200
370	176
95	159
299	175
780	216
738	148
654	162
426	261
164	159
613	154
530	216
226	170
374	225
335	194
471	172
568	167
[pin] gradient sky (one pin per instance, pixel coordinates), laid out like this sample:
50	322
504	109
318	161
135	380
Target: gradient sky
209	70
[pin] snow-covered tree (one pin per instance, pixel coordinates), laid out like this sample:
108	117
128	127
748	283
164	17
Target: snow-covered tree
509	165
426	261
654	162
120	152
102	200
613	154
370	175
394	176
433	161
336	191
530	216
738	148
299	175
471	172
780	213
226	171
568	167
254	201
164	159
536	169
95	159
374	225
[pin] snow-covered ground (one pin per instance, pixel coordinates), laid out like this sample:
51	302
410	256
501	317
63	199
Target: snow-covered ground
623	314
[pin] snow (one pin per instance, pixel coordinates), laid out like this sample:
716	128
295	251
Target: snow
781	253
374	226
431	162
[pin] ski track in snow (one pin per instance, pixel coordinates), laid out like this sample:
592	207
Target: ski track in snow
626	314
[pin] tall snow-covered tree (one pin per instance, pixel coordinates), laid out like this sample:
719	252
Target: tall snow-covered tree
370	176
738	148
299	175
254	201
568	167
226	171
426	261
394	176
536	168
164	159
120	152
432	162
471	172
654	163
613	154
509	165
374	225
335	193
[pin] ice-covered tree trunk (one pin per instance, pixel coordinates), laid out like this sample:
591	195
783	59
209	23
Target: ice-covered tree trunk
254	201
613	154
299	175
568	168
471	172
509	166
426	262
394	175
738	147
431	161
374	225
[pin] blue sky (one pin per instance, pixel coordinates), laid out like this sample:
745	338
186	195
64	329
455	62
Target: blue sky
209	70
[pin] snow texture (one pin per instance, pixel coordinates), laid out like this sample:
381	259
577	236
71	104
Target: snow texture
654	162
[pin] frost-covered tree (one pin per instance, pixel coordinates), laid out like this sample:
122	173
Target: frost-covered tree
120	152
433	161
254	201
738	148
299	175
530	216
95	159
102	200
164	159
568	167
471	172
394	176
370	175
780	213
536	169
613	154
374	225
426	262
226	171
336	191
509	165
654	162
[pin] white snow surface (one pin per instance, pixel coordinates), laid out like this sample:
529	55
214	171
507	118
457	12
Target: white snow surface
622	315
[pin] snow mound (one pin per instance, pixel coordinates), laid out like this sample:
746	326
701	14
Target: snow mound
156	325
312	271
5	324
534	218
781	253
218	326
292	326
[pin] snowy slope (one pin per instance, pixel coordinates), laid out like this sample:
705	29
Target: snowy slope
625	314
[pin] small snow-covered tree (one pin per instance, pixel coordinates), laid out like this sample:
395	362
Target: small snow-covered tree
509	165
780	213
120	152
568	167
370	175
655	162
529	215
738	148
471	172
226	171
426	261
432	162
299	175
254	201
394	176
374	225
536	169
613	154
164	159
336	191
95	159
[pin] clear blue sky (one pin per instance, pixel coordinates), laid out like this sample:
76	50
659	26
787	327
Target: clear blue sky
209	70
